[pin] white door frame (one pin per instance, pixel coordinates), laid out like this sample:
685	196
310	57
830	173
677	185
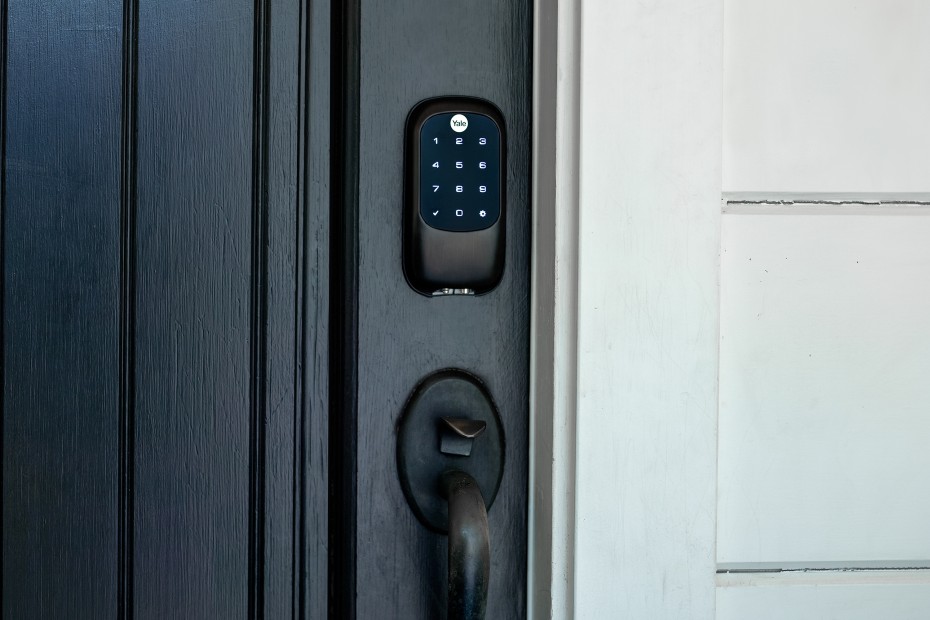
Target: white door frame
627	160
553	310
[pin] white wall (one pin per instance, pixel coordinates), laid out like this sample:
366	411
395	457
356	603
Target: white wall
647	336
825	310
825	106
824	390
826	96
865	595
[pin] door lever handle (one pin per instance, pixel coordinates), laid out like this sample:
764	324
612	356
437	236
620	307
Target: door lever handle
459	434
450	460
469	547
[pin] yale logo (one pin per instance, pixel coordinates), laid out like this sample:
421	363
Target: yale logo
459	123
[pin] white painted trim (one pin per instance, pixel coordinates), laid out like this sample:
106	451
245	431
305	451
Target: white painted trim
823	392
824	578
871	565
829	197
833	208
553	354
656	554
862	203
648	308
826	95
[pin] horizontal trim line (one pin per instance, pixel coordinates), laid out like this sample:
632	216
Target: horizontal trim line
825	577
851	565
872	198
756	203
826	208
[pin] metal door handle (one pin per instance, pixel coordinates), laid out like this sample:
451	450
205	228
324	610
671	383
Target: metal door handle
450	460
469	547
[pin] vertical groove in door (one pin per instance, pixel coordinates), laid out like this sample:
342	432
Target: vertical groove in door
298	534
344	203
259	309
127	303
3	48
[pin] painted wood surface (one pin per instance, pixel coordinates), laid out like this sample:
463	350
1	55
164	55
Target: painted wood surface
311	356
819	97
647	309
823	332
554	306
429	49
193	329
824	357
174	436
164	293
863	595
61	295
826	96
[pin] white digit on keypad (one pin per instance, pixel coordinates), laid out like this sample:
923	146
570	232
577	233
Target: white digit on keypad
459	165
435	188
482	164
459	141
459	189
435	164
482	188
482	141
436	140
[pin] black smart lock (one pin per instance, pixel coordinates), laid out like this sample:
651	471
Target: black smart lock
455	196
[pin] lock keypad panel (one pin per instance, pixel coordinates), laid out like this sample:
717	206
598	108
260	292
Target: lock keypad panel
460	171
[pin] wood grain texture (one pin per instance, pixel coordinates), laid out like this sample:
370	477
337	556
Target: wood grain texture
193	299
165	288
427	49
288	412
313	329
61	310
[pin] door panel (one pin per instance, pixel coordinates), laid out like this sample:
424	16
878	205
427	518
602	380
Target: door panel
166	305
61	309
162	310
196	333
425	50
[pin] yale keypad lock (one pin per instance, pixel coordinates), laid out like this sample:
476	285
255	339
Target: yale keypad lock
459	171
455	196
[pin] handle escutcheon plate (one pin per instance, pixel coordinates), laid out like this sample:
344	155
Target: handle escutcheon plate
439	433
